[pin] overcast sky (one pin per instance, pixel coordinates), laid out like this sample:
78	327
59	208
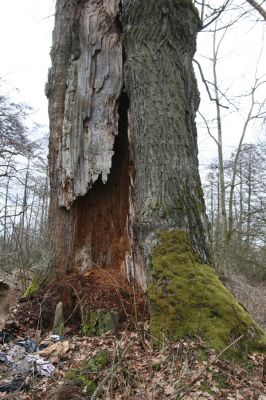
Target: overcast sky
242	51
25	41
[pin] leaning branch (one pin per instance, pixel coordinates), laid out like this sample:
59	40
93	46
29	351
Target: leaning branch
206	84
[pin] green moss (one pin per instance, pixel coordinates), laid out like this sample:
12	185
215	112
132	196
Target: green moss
97	322
97	362
84	374
260	344
188	299
202	355
220	379
81	379
205	387
32	288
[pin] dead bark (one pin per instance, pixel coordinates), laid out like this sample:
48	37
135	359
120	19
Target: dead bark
123	147
84	86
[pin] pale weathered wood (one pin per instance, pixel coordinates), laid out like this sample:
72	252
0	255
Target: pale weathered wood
84	85
94	83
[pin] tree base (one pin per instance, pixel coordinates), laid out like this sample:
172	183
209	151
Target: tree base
188	300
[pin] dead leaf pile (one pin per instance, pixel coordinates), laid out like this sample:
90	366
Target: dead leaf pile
137	371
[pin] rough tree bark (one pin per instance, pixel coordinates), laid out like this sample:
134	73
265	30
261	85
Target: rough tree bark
123	148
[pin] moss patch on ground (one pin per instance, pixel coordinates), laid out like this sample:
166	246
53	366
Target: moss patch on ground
85	375
188	299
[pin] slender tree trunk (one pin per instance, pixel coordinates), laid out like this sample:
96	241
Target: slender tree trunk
249	184
123	147
6	233
241	207
222	199
235	165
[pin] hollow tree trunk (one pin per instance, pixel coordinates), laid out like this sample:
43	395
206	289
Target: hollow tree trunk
123	146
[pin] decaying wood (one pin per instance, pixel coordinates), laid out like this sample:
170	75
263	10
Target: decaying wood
93	86
85	83
123	147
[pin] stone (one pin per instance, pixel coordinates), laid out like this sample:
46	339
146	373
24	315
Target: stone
98	322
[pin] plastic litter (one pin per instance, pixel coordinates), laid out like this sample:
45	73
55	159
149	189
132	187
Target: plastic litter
14	385
39	365
3	358
5	337
56	338
29	345
43	346
22	363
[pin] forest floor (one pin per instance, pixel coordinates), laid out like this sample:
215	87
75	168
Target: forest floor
123	365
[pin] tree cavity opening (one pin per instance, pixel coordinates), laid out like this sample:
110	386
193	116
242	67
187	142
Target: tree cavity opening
101	216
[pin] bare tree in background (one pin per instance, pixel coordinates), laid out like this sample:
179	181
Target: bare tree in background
225	104
24	192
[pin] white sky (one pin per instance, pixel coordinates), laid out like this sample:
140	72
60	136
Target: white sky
25	41
239	53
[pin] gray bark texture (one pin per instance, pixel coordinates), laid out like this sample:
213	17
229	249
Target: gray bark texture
123	145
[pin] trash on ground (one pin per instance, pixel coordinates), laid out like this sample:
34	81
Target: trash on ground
29	345
3	358
13	385
20	362
56	338
5	337
39	365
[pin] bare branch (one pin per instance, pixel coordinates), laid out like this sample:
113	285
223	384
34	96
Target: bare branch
205	82
258	8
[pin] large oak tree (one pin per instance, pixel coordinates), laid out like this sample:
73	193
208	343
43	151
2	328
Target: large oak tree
123	152
123	149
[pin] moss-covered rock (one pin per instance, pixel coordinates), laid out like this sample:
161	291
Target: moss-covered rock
86	374
188	299
97	322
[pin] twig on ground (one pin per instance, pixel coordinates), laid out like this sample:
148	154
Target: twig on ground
189	386
110	375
